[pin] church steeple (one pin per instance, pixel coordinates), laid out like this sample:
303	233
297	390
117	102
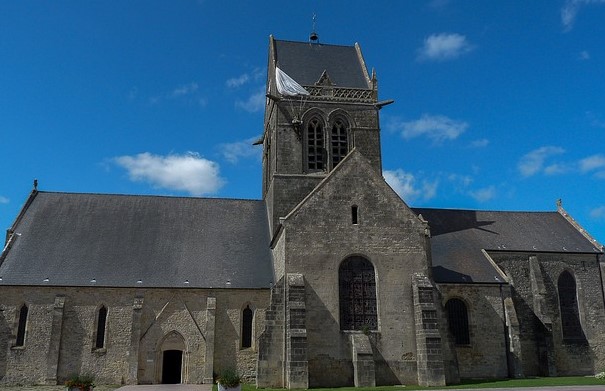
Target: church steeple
321	103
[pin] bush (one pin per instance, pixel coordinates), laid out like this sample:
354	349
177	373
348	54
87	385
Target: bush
600	375
229	378
83	382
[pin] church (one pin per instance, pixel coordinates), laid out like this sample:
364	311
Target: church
329	279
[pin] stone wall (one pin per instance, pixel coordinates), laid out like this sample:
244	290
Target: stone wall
568	358
140	322
486	354
320	235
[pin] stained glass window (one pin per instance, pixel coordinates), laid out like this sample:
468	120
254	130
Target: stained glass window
357	288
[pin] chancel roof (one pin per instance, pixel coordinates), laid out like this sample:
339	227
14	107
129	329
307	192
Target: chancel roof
306	62
459	236
68	239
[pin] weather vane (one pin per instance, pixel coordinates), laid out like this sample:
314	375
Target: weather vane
314	38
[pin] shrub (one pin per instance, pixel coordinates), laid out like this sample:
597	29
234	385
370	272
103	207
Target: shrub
229	378
600	375
83	382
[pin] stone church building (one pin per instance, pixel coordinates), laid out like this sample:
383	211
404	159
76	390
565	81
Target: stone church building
330	279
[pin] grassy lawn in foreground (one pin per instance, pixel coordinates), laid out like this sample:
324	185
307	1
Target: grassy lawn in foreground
530	382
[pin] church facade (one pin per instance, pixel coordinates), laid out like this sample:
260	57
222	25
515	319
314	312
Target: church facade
330	279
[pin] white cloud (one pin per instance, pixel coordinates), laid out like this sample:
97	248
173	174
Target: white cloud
186	89
484	194
591	163
187	172
254	103
598	213
4	200
440	47
570	10
232	152
238	81
255	75
404	184
557	168
584	55
533	162
436	127
481	143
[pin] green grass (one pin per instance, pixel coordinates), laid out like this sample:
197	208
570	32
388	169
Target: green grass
470	384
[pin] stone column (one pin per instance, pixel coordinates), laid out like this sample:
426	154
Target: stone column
135	341
297	366
52	358
431	372
210	328
364	370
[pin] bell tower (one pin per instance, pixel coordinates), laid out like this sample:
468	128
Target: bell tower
321	103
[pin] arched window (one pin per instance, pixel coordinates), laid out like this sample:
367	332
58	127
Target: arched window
568	303
21	326
457	317
357	291
247	317
101	324
315	144
339	141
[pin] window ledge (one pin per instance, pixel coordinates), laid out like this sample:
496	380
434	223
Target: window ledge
99	351
22	347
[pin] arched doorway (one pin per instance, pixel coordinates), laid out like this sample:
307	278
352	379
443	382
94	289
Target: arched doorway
172	365
172	349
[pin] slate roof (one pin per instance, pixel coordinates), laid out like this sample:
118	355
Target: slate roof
305	63
119	239
458	236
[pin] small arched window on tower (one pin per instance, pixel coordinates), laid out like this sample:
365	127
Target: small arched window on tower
315	144
571	327
247	317
457	317
357	292
21	326
101	326
339	141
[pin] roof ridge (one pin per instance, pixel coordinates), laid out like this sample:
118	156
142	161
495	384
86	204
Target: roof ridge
314	44
149	196
486	210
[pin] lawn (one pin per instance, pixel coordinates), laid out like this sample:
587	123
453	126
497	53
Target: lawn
469	384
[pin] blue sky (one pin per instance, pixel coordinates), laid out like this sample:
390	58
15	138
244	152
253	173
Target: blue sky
498	105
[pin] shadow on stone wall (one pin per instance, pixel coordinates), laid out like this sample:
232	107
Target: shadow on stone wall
5	333
329	350
72	343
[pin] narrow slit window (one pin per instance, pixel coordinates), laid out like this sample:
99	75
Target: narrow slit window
101	325
247	318
21	327
354	218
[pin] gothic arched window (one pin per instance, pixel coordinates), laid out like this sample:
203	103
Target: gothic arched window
21	326
247	317
457	317
315	144
568	303
101	325
357	292
339	141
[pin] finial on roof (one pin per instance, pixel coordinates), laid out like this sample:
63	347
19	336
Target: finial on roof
35	184
559	203
313	37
